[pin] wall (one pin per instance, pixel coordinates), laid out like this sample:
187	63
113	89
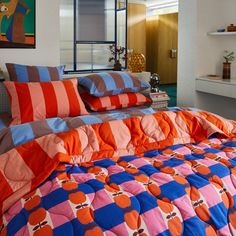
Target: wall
47	39
200	54
187	57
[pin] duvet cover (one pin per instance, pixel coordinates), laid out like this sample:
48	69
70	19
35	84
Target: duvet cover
166	173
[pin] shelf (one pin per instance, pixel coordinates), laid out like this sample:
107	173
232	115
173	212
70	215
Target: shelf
221	87
221	33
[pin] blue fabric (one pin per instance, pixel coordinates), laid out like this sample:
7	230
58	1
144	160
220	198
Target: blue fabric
90	119
44	74
21	72
57	125
92	85
21	134
109	81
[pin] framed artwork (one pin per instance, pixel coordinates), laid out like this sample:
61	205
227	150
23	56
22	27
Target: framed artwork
17	24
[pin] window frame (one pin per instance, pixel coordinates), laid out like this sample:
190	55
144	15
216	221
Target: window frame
77	42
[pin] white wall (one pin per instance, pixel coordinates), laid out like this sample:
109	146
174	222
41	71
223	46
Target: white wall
47	39
200	54
187	56
210	49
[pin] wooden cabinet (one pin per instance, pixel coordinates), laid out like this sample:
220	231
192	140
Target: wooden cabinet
137	28
162	45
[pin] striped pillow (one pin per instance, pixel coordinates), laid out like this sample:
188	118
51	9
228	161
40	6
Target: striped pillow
40	100
114	102
24	73
112	83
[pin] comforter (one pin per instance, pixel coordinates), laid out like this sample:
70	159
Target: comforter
167	173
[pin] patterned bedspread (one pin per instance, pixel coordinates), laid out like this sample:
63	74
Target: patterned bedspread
167	173
11	137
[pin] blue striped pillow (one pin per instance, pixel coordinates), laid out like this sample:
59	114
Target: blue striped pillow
24	73
112	83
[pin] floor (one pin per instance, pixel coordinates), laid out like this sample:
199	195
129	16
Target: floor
172	92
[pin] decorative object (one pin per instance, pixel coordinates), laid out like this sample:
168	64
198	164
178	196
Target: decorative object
229	57
118	54
136	62
17	24
155	82
221	30
215	77
117	66
231	28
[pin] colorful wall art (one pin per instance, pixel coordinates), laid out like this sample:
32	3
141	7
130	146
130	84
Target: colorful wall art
17	23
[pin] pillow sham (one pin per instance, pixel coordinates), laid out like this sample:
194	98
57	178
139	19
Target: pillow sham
112	83
25	73
4	120
37	101
114	102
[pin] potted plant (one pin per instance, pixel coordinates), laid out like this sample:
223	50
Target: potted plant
229	58
118	54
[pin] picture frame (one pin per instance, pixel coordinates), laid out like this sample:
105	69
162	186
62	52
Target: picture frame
17	24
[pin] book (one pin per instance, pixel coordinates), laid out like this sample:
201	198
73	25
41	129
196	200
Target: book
160	97
160	104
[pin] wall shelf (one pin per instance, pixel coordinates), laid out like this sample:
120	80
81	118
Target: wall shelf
220	87
221	33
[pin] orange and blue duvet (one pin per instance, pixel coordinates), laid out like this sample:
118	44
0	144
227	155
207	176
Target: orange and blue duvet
168	173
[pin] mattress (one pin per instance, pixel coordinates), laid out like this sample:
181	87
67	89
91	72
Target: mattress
140	172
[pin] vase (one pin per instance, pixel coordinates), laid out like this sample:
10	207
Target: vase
136	62
226	70
117	66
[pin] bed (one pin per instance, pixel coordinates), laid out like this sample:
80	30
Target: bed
131	171
164	173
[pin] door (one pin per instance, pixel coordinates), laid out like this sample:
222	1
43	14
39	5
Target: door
167	48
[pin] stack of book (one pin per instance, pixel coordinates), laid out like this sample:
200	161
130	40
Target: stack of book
159	99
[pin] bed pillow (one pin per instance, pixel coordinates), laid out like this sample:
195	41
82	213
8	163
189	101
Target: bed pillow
40	100
24	73
112	83
115	101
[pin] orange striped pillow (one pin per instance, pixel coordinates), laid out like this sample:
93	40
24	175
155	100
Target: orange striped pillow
39	100
114	102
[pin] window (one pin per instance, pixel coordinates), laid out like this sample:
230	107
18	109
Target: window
88	28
